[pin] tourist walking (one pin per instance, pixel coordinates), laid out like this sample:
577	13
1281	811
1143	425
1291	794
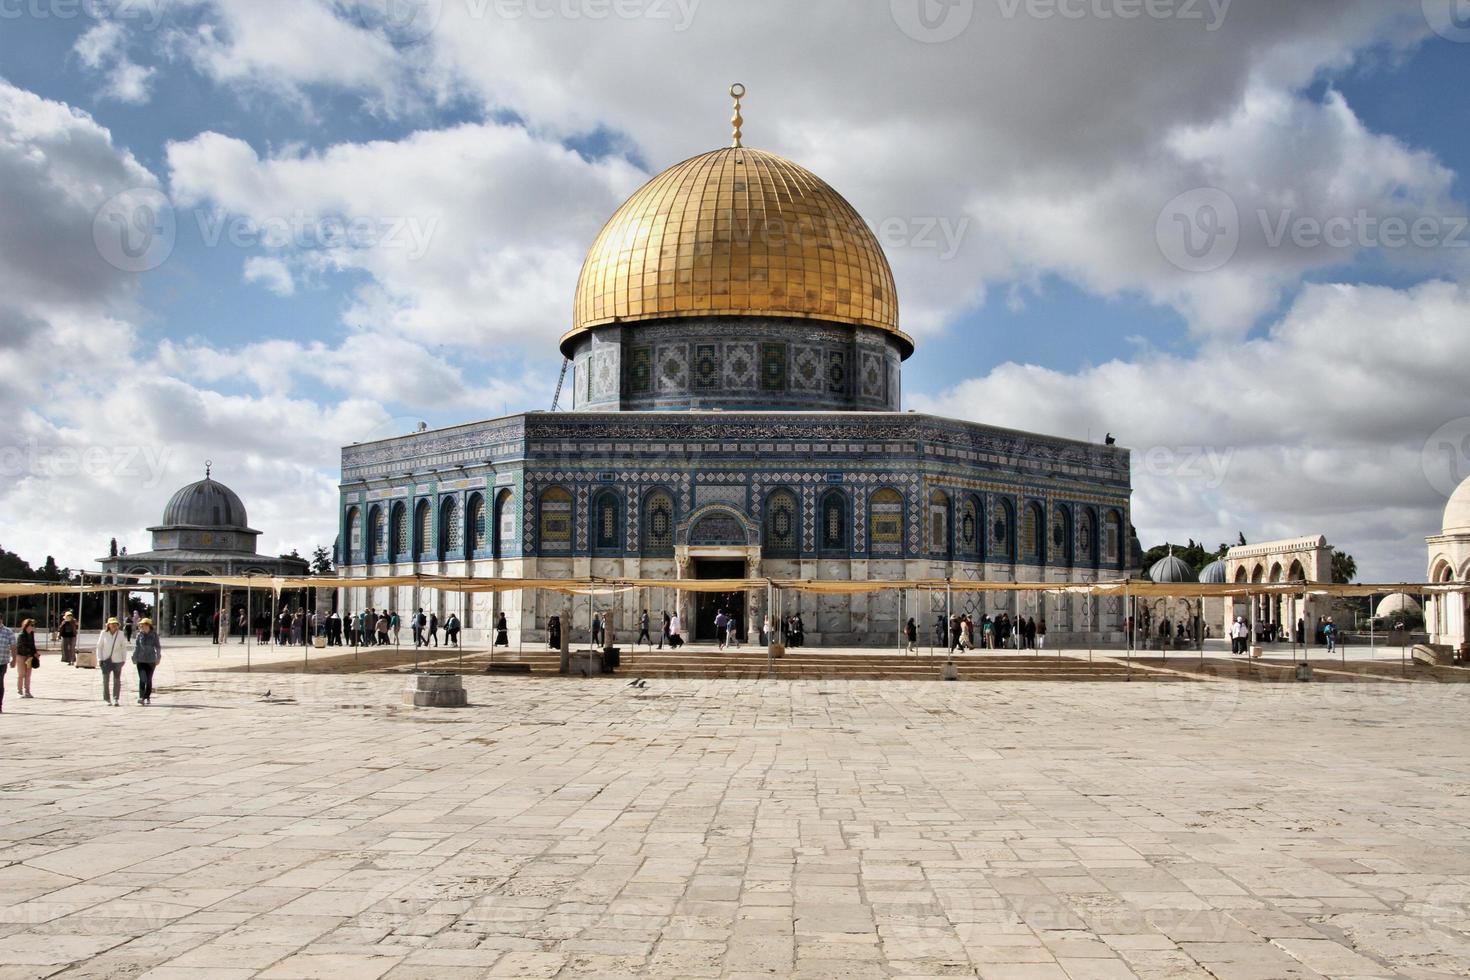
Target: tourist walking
911	634
643	636
502	632
675	639
1040	630
129	627
967	633
665	636
244	622
68	638
147	655
722	625
433	629
1329	633
24	657
418	628
383	626
112	653
596	630
451	631
7	651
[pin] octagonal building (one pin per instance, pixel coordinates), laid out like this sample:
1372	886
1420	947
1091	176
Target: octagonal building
736	413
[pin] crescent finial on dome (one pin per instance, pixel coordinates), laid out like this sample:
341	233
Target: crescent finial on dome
737	92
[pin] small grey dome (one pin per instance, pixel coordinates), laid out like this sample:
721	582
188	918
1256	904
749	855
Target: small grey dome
207	503
1171	569
1213	573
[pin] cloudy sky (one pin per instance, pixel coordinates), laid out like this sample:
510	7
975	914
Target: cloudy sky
252	231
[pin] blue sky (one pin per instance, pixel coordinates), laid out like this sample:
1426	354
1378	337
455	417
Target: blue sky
1057	143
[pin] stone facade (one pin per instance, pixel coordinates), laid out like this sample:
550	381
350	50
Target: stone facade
830	495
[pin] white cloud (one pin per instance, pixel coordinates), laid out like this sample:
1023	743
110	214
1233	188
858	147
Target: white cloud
271	273
472	235
279	48
1321	426
103	49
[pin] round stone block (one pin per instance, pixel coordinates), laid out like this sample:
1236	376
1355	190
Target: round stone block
435	691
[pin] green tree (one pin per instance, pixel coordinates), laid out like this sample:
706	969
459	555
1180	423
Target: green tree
321	561
1344	567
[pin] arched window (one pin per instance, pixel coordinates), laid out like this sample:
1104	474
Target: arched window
505	523
423	528
967	529
782	525
451	538
939	525
1033	534
607	523
832	531
399	546
1113	555
1061	535
556	520
354	535
658	524
478	539
377	535
885	522
1087	537
1003	532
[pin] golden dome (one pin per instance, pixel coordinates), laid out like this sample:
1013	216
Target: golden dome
736	232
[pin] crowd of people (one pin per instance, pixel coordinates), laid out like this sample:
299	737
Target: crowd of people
116	645
962	632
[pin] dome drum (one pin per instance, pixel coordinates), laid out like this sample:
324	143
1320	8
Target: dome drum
767	363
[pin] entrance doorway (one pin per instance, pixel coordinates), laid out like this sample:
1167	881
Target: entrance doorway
707	604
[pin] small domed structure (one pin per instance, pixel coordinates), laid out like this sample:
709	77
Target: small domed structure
1396	604
1213	573
1171	569
204	532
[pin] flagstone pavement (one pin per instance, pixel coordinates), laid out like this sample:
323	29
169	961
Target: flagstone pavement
733	829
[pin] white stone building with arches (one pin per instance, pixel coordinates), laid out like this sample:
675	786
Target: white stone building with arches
1305	560
1449	562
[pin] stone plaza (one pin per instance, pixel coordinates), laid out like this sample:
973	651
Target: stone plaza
288	825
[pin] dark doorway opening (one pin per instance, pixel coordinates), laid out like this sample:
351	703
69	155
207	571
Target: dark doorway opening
708	604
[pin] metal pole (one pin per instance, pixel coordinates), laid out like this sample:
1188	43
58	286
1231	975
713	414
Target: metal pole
1372	632
1132	613
771	631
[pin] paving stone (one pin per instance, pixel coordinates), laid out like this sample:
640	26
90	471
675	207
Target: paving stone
733	829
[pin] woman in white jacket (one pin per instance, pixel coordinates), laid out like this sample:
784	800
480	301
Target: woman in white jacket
112	652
